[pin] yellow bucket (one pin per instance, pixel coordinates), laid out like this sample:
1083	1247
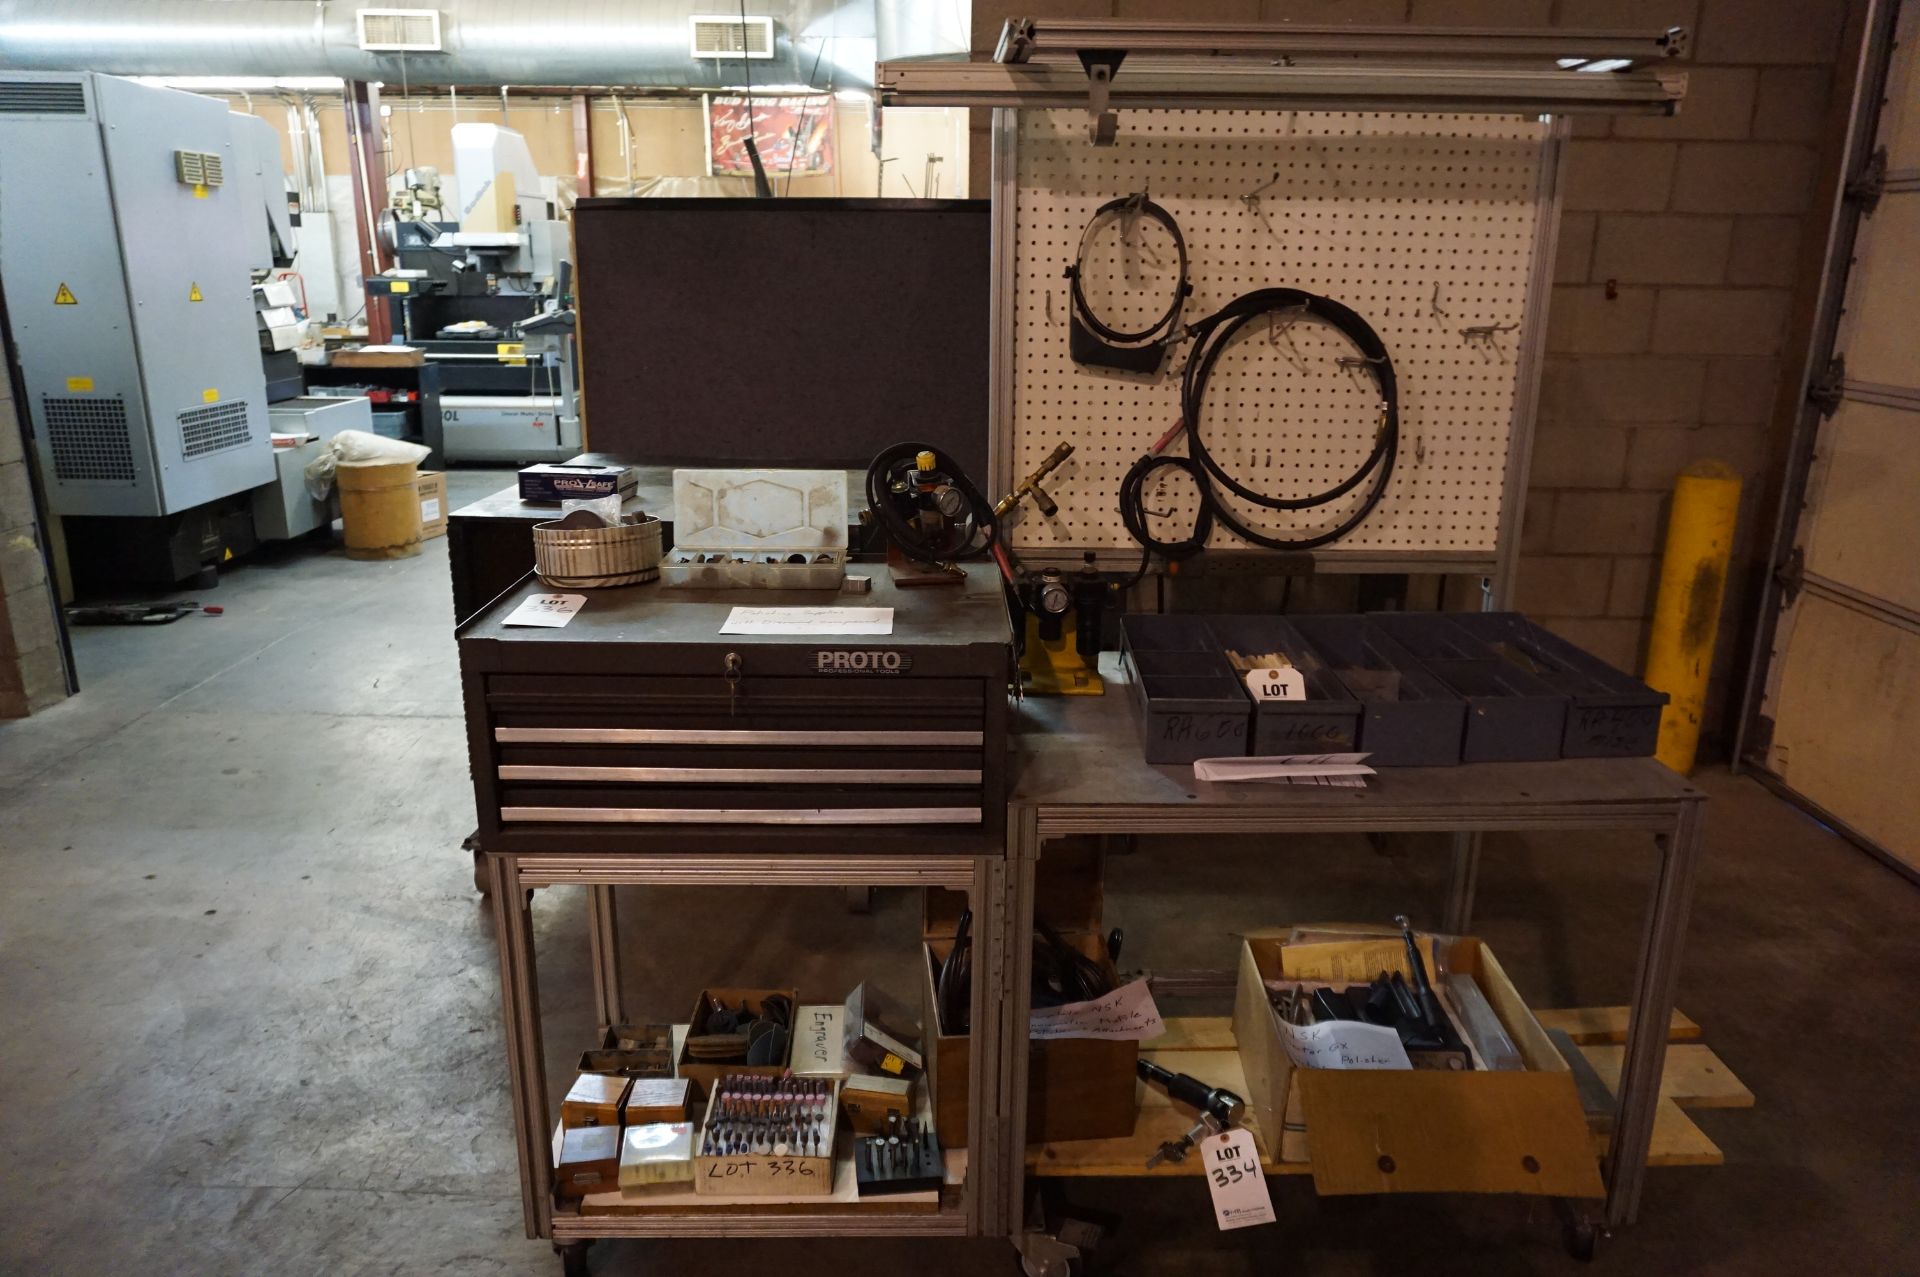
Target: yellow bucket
380	508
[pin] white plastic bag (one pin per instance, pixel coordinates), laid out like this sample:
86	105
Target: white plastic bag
357	446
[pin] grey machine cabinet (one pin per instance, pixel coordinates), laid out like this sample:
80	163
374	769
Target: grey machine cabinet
123	254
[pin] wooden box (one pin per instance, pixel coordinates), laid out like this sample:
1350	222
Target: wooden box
632	1050
703	1074
867	1098
651	1100
1410	1130
589	1161
762	1174
593	1100
1077	1088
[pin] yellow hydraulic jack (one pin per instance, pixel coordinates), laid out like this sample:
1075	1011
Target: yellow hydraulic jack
1060	648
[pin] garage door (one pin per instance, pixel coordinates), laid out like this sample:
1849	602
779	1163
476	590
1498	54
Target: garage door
1840	710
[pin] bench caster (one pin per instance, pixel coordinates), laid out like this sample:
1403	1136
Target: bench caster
573	1258
1581	1232
1059	1240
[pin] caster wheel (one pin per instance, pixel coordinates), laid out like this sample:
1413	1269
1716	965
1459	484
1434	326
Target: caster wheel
573	1259
482	881
1583	1240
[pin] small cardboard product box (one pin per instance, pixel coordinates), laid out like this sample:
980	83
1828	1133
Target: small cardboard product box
765	1174
589	1161
656	1153
1077	1088
703	1074
433	504
879	1037
593	1100
866	1099
1409	1130
652	1100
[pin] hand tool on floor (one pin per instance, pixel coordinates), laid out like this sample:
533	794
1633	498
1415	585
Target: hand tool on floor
1219	1108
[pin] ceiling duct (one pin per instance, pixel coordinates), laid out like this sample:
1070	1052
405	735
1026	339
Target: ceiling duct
644	43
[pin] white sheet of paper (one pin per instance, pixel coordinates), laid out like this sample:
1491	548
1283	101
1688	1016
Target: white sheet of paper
1125	1015
809	620
550	610
1344	1044
1295	769
1234	1177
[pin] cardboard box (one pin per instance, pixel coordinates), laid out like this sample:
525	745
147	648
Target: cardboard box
867	1098
433	504
1412	1130
593	1100
657	1153
703	1074
632	1050
589	1161
379	357
551	483
1077	1088
652	1100
764	1174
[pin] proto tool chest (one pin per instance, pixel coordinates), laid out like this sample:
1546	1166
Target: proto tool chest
640	725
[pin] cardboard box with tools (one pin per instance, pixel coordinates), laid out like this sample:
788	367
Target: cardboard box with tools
744	1031
1371	1129
1077	1088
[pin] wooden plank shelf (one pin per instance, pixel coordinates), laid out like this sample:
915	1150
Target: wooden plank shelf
1694	1077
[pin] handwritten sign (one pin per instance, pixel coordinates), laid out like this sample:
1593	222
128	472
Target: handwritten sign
1234	1178
809	620
1343	1044
549	610
819	1043
1125	1015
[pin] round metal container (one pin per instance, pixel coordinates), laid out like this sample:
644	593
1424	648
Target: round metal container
589	558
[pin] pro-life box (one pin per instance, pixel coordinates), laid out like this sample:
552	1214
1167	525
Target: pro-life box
554	482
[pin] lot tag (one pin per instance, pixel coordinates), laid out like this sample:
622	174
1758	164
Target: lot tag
1234	1178
1277	683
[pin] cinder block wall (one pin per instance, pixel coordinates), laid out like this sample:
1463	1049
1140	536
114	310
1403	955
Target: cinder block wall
32	668
1683	264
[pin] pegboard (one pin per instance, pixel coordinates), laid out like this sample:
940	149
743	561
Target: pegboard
1426	224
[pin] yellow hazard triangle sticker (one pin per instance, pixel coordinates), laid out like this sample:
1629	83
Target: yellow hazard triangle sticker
65	296
195	296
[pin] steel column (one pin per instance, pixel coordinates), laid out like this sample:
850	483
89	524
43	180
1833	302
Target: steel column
1466	880
1651	1012
603	934
366	165
526	1070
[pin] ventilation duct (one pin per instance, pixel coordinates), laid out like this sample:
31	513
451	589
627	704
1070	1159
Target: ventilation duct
645	43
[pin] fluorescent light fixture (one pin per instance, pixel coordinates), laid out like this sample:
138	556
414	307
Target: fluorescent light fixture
244	83
853	95
1608	64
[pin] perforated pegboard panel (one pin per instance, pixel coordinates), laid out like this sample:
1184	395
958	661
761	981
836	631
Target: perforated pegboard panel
1425	224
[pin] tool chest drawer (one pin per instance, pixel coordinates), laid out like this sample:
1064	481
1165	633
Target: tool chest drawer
632	737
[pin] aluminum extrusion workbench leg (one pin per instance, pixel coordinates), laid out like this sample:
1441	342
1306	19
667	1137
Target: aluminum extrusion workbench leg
526	1068
1652	1010
603	934
1465	882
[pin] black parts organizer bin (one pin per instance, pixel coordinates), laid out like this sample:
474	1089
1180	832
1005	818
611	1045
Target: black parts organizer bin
1408	717
1326	722
1609	714
1192	705
1512	716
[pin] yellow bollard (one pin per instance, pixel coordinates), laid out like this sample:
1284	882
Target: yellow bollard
1686	612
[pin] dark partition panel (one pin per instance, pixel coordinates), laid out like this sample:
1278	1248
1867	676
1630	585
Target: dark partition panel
783	332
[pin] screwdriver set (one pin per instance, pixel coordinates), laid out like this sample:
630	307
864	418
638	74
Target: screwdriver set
766	1136
904	1160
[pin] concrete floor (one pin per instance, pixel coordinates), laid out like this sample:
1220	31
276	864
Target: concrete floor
251	1000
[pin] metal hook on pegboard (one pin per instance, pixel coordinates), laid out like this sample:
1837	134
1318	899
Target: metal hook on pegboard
1280	324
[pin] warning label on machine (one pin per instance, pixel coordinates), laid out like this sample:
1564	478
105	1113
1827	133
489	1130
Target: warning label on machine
65	296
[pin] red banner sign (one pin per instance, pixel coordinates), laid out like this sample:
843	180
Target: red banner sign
793	134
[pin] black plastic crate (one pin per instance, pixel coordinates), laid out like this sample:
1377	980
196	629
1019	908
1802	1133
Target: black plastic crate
1609	714
1408	717
1326	722
1191	703
1512	716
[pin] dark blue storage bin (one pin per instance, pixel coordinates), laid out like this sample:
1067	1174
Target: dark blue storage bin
1408	717
1191	703
1512	716
1326	722
1609	714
